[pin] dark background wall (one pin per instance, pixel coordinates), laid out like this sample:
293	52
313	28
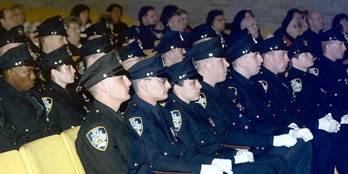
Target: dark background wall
269	13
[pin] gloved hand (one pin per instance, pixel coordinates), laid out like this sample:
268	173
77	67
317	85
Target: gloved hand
303	133
284	140
293	126
344	119
243	156
224	164
328	124
211	169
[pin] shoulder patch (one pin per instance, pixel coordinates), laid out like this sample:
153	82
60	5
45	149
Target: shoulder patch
177	119
202	100
234	89
80	67
98	137
296	85
264	84
137	124
48	102
314	71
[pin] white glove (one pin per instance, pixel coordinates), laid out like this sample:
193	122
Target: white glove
211	169
303	133
284	140
328	124
293	126
243	156
224	164
344	119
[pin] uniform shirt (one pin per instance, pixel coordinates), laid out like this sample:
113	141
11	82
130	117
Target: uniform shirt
153	125
106	143
195	127
332	82
256	110
301	84
8	140
62	106
23	113
230	120
314	43
280	98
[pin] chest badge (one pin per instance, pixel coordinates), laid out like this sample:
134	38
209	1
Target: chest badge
202	100
48	102
177	119
296	85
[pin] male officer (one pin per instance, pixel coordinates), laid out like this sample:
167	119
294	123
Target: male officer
7	20
229	115
105	142
299	80
332	82
52	34
12	38
92	50
62	104
153	123
131	54
171	47
315	26
23	111
193	125
115	12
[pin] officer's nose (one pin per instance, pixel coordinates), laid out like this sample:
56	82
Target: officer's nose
226	63
127	81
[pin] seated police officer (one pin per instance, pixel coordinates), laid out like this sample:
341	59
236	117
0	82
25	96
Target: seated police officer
102	28
153	123
52	34
193	125
12	38
105	142
299	80
62	104
229	115
332	82
21	109
131	54
171	47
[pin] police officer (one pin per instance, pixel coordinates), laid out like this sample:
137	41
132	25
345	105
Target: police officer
102	28
52	34
63	106
171	47
332	82
105	142
22	110
153	123
194	128
299	80
131	54
312	35
229	115
12	38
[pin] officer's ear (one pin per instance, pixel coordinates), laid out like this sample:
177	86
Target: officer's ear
143	84
101	87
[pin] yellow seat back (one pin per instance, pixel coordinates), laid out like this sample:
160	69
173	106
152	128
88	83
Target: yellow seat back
69	136
48	155
11	162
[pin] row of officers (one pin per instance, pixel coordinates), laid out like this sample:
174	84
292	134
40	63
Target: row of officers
205	103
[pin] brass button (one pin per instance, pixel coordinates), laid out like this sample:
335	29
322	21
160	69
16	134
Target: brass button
97	110
165	153
26	130
269	105
217	153
298	110
45	129
334	95
257	116
202	142
257	148
274	115
72	127
172	142
84	118
246	127
181	154
230	77
240	115
318	105
233	123
330	105
134	104
249	121
214	133
135	164
14	143
150	166
262	148
284	110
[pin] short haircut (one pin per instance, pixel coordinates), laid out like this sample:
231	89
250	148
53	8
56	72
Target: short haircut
212	14
143	12
325	43
77	9
2	13
71	19
112	6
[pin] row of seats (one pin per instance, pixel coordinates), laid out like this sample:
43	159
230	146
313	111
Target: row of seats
55	154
